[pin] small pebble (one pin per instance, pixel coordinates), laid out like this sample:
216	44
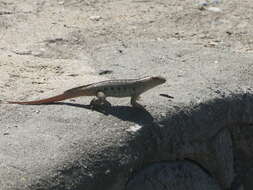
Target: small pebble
214	9
212	44
73	75
159	39
167	96
134	128
203	4
95	18
229	32
104	72
215	1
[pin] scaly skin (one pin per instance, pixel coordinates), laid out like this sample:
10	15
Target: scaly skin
110	88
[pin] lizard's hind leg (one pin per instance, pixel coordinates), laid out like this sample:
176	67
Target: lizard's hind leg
100	100
134	102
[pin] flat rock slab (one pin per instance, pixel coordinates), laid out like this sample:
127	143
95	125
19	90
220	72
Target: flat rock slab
69	146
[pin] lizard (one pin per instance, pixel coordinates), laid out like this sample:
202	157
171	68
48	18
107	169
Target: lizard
101	90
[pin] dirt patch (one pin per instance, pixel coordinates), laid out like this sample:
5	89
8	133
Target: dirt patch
49	43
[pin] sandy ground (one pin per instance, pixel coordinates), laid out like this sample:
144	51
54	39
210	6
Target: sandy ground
48	46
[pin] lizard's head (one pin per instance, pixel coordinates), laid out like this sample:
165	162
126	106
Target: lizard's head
151	81
158	80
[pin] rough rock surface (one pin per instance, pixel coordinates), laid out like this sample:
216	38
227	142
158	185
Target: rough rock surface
204	134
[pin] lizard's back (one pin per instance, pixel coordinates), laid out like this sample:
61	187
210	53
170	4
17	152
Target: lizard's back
118	88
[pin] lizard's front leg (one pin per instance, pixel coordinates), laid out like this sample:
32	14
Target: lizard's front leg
134	102
100	100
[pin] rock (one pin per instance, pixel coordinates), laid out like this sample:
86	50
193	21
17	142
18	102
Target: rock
174	175
95	18
214	9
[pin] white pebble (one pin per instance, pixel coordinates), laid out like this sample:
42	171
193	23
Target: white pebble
134	128
95	18
214	9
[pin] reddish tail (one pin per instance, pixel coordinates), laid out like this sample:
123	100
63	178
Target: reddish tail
48	100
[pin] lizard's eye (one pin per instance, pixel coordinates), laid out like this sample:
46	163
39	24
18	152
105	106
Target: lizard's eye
112	88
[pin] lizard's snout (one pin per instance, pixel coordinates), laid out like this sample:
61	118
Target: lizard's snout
159	79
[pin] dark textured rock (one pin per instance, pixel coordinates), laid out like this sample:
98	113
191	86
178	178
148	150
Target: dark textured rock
172	175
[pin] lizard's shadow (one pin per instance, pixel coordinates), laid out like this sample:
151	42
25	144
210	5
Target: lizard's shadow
125	113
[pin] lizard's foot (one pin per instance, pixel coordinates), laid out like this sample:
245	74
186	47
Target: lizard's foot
99	103
138	106
94	102
135	104
105	103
